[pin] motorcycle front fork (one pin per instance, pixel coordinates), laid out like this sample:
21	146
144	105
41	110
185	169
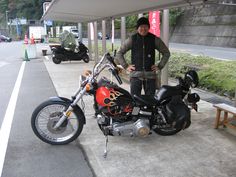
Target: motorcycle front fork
64	117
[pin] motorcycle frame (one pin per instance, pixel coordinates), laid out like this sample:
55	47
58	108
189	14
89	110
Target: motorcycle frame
82	89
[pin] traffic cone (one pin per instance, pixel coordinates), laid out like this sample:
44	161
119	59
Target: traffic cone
32	39
26	39
26	56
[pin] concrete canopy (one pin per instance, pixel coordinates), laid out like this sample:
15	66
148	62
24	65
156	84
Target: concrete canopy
92	10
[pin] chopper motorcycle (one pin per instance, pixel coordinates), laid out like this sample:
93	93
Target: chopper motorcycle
60	54
60	120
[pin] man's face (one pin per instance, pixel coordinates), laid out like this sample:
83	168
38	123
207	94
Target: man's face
143	30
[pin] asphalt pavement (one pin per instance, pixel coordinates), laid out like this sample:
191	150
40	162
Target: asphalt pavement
26	155
221	53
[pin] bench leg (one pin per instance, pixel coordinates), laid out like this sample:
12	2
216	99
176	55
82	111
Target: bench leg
225	118
217	121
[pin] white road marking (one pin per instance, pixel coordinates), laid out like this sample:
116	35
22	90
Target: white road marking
8	118
3	63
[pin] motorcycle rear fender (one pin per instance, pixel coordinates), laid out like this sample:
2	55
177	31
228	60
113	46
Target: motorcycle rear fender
180	113
77	110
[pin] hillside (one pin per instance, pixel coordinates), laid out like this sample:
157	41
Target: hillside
213	25
30	9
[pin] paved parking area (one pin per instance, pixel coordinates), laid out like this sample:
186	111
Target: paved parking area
200	151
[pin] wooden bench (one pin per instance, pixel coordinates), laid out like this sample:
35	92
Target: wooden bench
226	122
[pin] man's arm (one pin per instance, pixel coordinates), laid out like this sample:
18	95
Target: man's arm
163	49
121	52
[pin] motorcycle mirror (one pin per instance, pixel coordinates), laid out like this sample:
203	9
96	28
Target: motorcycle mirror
86	73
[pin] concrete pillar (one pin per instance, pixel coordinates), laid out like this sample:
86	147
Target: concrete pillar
123	30
89	41
80	37
165	38
52	32
112	34
104	37
235	98
95	42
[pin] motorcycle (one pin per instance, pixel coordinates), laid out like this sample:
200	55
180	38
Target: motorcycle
60	120
60	54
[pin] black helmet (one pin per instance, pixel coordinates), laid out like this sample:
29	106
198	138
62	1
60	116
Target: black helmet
142	21
191	78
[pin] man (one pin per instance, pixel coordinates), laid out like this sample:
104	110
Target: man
142	68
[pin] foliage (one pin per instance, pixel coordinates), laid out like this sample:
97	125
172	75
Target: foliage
215	75
30	9
53	40
174	15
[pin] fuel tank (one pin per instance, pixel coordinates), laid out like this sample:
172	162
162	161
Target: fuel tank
113	100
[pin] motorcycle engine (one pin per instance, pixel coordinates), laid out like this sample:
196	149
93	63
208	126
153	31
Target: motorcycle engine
138	128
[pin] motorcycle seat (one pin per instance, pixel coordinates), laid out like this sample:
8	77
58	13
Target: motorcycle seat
145	100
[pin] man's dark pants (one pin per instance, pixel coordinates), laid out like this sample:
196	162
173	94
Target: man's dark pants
137	84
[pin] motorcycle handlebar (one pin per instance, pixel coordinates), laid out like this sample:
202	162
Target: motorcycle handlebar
111	59
115	73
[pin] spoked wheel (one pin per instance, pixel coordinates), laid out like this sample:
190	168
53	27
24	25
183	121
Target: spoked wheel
45	117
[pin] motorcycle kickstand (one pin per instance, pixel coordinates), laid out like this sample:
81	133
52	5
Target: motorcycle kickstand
105	151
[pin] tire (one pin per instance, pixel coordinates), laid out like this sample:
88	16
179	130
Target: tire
86	58
180	114
47	114
167	131
56	60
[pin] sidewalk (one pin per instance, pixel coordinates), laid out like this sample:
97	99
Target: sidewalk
200	151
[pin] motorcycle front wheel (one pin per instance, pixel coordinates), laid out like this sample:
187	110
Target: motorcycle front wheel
47	114
86	58
56	60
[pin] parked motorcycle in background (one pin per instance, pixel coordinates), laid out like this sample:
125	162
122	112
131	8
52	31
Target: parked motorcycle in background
60	120
60	54
68	50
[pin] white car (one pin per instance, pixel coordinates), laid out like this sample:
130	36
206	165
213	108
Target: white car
75	32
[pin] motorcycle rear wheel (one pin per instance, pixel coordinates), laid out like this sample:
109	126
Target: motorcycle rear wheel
166	131
47	114
86	58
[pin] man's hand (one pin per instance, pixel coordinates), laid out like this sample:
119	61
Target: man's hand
154	68
119	68
130	68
